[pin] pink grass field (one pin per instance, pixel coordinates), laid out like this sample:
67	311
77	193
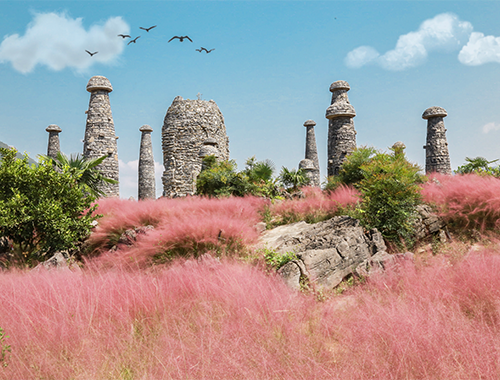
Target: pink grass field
229	320
470	201
316	205
193	224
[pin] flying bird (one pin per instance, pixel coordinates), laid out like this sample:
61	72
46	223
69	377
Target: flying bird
134	40
91	54
202	48
124	36
181	38
147	29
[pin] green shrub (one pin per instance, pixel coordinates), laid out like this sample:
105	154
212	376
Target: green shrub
41	210
478	165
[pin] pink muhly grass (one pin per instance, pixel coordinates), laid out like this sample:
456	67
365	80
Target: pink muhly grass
317	205
208	320
441	321
469	200
191	225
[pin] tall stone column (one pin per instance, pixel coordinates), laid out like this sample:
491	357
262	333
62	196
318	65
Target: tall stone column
147	185
100	138
437	157
312	152
53	146
341	132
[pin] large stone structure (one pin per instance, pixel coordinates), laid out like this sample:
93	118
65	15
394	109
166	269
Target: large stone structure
311	154
100	138
53	147
187	125
437	157
147	186
341	132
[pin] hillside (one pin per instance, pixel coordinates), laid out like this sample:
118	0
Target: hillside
19	155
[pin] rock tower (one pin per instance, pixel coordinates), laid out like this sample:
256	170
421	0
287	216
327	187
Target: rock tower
437	157
53	146
311	153
187	126
341	132
147	186
100	138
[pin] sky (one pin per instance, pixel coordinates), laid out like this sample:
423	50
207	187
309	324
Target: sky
270	71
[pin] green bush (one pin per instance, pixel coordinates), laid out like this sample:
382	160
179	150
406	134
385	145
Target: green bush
478	165
42	210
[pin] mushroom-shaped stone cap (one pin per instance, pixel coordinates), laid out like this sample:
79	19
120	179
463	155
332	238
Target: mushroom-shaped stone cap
307	164
146	128
99	82
339	85
208	150
309	123
398	145
434	112
210	141
340	110
53	128
178	99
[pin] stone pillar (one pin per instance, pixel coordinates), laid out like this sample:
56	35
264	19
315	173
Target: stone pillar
308	167
437	157
341	132
147	186
100	138
53	147
312	152
398	148
187	125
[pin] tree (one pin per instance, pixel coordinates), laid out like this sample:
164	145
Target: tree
293	179
478	165
42	210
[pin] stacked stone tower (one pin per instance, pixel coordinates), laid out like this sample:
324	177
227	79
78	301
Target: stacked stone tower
311	155
147	186
187	125
341	132
53	146
437	157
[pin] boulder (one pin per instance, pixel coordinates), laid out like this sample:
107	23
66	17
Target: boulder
326	252
428	223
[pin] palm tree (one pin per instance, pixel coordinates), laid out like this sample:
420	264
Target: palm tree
84	171
293	179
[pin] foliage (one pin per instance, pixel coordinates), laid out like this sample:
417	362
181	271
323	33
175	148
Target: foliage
260	175
276	260
478	165
466	202
4	348
293	179
84	170
41	210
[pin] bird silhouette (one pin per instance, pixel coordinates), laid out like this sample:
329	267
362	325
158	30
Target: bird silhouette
124	36
181	38
203	49
91	54
147	29
134	40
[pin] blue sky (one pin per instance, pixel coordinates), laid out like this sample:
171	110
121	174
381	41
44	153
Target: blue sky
270	71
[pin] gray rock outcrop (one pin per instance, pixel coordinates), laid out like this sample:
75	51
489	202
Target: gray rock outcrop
326	252
146	181
100	138
437	157
53	146
187	125
341	132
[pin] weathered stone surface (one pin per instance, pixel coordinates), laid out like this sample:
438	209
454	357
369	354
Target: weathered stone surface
428	223
56	262
187	125
147	181
129	237
341	132
382	261
100	138
437	157
53	147
326	252
312	154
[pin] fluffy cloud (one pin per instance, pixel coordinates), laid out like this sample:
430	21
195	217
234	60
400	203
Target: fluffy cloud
491	127
129	173
480	49
445	33
58	41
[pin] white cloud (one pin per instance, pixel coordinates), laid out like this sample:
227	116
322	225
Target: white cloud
444	33
480	49
129	173
58	41
491	127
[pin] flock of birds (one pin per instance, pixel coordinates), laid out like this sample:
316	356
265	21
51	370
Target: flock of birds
134	40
